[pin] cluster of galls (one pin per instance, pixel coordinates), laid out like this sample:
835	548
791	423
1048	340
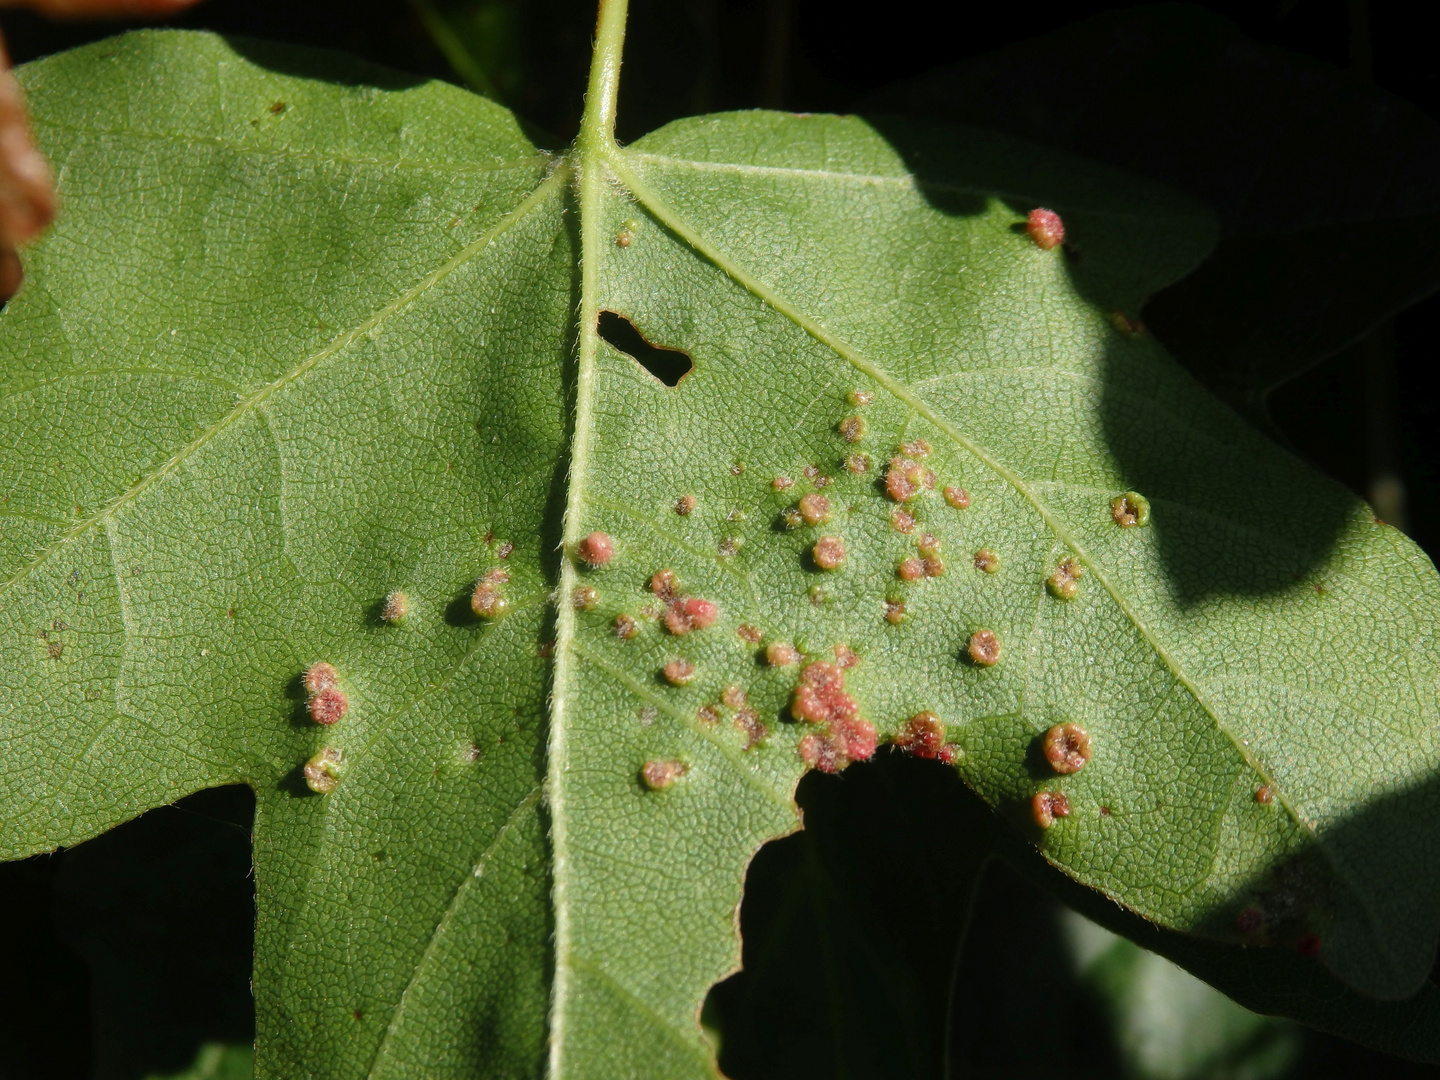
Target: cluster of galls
1067	749
821	699
906	477
327	702
928	564
327	705
682	613
923	735
488	600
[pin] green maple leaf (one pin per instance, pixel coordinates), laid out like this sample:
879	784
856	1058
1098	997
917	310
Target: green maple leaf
306	337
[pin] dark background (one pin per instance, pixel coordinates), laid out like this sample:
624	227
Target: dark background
120	957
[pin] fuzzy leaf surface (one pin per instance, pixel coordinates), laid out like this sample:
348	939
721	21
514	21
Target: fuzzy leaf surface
297	343
305	337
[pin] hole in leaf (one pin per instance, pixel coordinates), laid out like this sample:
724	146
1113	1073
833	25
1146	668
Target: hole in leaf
667	365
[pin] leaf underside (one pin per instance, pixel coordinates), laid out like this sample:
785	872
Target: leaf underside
305	336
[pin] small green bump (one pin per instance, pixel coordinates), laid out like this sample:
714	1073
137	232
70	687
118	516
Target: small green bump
1064	583
1130	510
395	608
662	773
322	772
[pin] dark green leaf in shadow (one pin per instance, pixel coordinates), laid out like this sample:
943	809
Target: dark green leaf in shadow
216	1061
1276	981
1324	186
1167	1024
851	968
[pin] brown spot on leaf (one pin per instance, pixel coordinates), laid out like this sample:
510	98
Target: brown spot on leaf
322	772
814	509
829	553
1131	509
679	672
1064	583
625	627
685	504
1067	748
320	676
922	735
664	585
329	706
983	648
689	613
661	774
852	428
987	561
748	723
781	654
903	479
1046	806
487	601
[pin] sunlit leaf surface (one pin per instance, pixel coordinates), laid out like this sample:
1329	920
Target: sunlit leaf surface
305	339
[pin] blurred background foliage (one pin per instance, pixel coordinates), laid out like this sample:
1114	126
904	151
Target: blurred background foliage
1308	125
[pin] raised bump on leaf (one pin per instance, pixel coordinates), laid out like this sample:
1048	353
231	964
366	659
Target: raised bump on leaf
596	550
396	607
